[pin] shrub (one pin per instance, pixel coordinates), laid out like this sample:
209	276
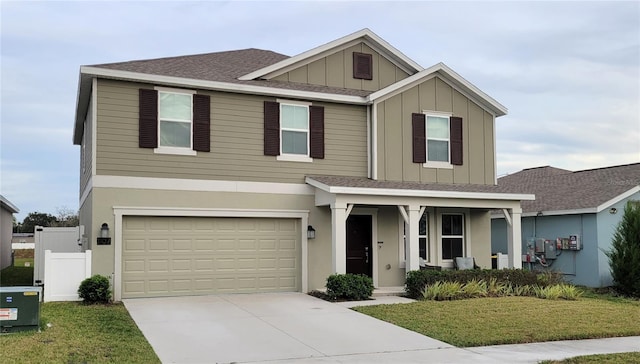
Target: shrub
570	292
624	256
353	287
416	281
441	291
95	290
475	289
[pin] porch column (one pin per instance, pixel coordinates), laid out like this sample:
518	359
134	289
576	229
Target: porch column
413	241
339	238
514	236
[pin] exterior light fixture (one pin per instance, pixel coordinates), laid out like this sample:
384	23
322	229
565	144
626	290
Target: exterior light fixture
613	210
311	232
539	213
104	238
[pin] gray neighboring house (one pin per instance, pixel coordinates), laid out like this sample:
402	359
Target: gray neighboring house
7	209
587	204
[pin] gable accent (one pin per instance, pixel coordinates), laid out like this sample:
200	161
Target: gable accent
316	129
455	133
271	128
362	66
148	119
418	127
201	123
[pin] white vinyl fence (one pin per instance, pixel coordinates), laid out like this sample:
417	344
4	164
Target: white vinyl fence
63	274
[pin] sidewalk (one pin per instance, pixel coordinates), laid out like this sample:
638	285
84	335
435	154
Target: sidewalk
528	353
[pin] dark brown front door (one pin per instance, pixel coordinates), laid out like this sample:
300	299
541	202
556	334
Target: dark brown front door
359	253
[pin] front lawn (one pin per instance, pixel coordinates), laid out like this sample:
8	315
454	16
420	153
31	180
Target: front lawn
510	320
622	358
80	334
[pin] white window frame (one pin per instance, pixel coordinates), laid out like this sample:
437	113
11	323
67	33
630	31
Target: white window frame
437	164
402	239
175	150
442	236
295	157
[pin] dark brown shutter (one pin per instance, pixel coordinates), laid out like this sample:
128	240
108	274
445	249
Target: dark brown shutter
316	127
148	119
362	66
455	134
418	122
201	123
271	128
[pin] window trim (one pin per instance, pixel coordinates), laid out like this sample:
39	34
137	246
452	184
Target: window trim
160	149
437	164
305	158
441	235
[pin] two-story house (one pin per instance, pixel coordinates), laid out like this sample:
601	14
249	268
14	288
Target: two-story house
252	171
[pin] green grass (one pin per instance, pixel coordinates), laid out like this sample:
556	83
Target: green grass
20	262
622	358
16	276
80	334
510	320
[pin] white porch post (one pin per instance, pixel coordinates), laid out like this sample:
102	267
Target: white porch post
514	236
413	246
339	237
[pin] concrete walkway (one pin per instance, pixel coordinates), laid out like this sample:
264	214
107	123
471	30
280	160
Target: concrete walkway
298	328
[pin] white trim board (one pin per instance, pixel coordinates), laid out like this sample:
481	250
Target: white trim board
120	212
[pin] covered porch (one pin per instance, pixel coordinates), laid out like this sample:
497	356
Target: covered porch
435	223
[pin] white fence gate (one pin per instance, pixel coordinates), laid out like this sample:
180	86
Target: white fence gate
63	273
56	239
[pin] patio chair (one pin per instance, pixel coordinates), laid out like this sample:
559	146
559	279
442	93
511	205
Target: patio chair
462	263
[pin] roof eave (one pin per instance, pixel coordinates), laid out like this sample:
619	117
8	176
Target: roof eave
365	33
8	205
451	76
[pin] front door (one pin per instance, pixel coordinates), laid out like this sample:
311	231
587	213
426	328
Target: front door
359	252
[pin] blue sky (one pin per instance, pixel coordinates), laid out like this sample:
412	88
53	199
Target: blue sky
569	72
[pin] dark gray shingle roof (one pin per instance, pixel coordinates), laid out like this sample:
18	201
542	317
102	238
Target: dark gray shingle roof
223	67
559	189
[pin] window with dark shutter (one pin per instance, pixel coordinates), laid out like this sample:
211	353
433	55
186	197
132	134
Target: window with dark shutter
271	128
148	119
201	123
456	140
418	122
362	66
316	126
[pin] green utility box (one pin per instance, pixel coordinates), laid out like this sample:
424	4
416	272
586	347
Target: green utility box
19	308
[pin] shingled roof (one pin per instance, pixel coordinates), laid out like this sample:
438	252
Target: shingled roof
561	190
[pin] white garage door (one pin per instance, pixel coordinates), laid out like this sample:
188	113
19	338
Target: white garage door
174	256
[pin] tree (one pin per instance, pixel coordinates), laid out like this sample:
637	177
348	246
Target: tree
66	217
36	218
624	256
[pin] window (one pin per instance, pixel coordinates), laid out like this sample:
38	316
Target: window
293	131
437	140
294	126
174	121
452	235
423	237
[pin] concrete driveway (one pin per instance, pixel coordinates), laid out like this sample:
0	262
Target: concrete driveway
282	327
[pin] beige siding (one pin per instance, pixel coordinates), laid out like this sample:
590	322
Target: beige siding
395	161
336	70
236	141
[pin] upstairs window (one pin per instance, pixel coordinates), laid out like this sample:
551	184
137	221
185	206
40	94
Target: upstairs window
174	121
293	131
437	140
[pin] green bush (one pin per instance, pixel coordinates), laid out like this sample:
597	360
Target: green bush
475	289
441	291
352	287
624	256
416	281
95	290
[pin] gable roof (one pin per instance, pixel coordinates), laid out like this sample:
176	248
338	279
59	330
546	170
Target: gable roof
559	191
365	35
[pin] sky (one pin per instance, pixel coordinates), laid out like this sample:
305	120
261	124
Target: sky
569	72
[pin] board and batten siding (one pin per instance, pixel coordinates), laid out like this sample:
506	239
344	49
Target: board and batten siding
236	141
336	70
395	162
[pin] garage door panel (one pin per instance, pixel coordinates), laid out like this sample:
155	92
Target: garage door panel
165	256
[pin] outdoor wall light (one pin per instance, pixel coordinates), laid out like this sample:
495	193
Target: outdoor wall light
311	232
104	238
613	210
